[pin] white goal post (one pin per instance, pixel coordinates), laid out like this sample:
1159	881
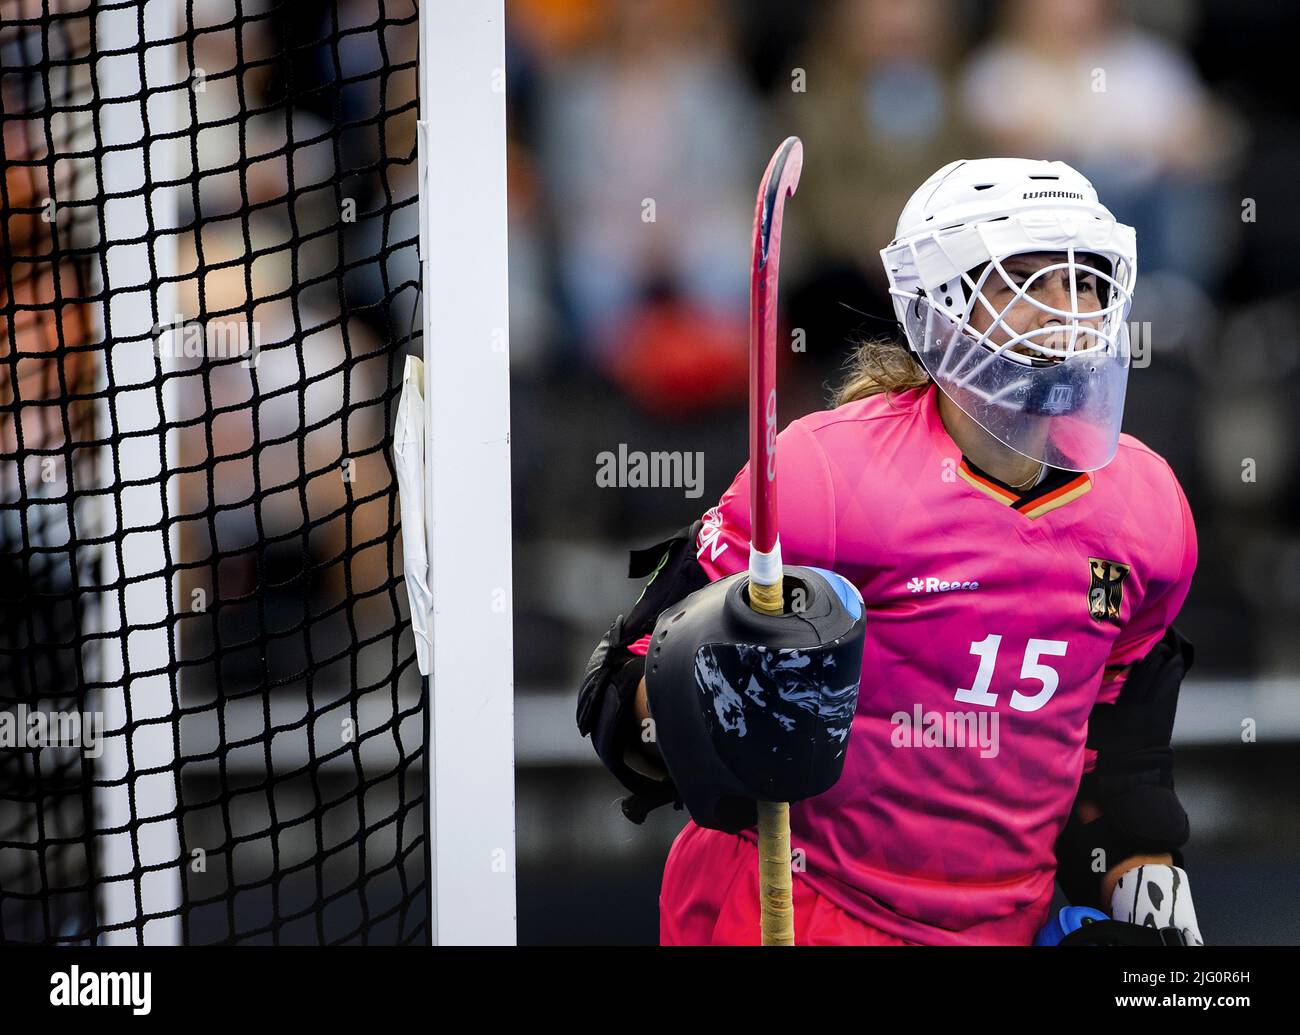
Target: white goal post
469	762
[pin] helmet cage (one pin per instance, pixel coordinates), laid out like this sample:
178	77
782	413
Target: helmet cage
1028	347
1054	393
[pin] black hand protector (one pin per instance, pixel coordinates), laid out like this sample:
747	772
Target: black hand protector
748	706
608	691
1133	782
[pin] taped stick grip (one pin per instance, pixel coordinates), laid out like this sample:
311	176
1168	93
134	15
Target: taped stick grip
775	882
766	599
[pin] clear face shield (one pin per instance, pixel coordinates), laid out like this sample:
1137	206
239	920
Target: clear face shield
1037	355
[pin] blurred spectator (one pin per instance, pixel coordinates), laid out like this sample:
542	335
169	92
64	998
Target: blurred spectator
554	29
291	428
1075	80
288	465
47	352
649	156
877	118
873	99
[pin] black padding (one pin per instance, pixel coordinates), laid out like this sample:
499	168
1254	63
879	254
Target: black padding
1133	781
1085	851
750	706
674	574
606	698
1143	714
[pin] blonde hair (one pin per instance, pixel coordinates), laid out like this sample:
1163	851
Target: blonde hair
879	365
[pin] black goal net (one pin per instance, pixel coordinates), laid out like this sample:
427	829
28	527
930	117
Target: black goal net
211	722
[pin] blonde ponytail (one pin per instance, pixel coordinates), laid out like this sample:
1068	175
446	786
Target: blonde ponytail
879	365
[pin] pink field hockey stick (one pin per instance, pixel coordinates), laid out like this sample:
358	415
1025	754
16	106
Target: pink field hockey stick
765	578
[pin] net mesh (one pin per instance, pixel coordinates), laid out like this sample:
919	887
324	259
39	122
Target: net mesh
211	724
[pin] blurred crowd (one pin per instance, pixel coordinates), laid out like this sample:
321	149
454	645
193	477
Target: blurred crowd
637	132
639	129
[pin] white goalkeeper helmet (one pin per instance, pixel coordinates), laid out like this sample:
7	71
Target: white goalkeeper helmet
1054	393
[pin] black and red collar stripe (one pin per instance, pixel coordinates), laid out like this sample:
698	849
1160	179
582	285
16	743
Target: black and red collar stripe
1055	490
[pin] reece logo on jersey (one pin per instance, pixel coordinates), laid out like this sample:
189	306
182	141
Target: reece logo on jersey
933	585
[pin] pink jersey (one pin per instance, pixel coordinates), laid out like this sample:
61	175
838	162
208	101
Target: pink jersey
994	623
